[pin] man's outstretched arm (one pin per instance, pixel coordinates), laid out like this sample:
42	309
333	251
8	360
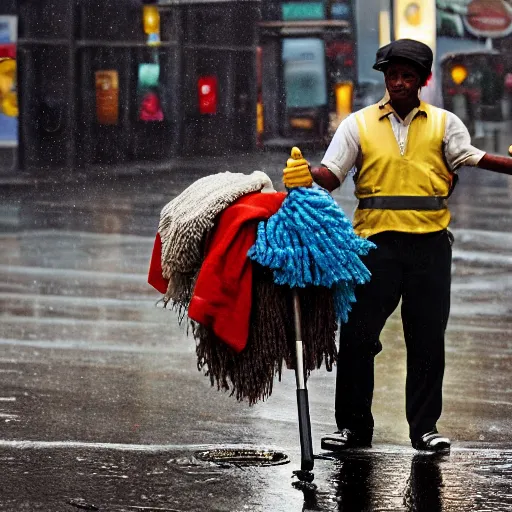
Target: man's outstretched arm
496	163
325	178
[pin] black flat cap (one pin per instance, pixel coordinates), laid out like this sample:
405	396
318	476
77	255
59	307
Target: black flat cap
415	51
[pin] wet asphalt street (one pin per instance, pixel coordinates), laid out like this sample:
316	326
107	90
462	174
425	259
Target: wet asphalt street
102	406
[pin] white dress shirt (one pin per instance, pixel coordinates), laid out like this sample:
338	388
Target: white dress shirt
342	153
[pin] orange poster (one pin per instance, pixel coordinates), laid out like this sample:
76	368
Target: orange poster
107	96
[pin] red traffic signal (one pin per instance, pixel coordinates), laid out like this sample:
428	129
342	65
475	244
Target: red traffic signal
207	91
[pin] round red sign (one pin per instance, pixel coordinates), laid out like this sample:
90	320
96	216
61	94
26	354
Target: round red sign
488	18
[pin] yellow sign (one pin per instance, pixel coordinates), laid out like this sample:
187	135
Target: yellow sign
301	123
416	19
413	14
8	96
107	96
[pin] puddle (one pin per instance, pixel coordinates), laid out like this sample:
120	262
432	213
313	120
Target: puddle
243	457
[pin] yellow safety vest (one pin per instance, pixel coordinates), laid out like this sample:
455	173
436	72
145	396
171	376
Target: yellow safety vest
406	192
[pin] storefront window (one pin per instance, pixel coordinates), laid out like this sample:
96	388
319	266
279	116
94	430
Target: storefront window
304	73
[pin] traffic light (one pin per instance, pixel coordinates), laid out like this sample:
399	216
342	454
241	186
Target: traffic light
461	77
207	91
477	74
458	73
148	87
151	23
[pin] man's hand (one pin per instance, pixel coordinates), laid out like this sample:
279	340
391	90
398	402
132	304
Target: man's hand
296	173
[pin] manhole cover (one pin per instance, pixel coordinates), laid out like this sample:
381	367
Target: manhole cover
243	457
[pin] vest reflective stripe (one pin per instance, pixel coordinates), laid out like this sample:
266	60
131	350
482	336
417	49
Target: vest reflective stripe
420	172
403	203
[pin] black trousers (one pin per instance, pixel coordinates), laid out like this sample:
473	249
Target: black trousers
417	269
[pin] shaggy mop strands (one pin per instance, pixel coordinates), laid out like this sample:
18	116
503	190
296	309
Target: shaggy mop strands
249	375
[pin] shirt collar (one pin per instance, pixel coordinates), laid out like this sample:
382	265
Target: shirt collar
386	109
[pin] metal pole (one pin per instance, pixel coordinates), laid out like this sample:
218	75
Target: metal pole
392	19
306	444
299	349
73	89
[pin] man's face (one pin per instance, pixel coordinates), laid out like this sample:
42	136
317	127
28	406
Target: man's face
402	81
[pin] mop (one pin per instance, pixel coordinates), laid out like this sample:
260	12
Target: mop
310	242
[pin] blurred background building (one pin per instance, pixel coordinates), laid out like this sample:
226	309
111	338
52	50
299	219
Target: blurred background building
115	81
8	102
119	81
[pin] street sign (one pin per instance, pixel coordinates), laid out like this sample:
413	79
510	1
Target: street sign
107	96
303	11
488	18
415	19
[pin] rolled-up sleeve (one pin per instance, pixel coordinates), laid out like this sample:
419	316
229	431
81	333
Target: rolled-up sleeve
342	152
458	150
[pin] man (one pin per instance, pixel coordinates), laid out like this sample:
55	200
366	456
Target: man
406	153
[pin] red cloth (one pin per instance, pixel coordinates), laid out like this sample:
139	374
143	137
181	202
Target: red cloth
223	292
155	277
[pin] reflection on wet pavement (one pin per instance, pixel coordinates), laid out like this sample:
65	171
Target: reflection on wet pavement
130	478
101	400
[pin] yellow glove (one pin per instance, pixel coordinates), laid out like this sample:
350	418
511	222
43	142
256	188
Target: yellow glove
296	173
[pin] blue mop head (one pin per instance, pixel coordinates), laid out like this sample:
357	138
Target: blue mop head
310	241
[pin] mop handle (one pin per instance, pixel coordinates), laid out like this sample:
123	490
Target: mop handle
299	374
297	174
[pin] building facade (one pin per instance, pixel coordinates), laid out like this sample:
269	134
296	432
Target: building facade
95	86
113	81
308	68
